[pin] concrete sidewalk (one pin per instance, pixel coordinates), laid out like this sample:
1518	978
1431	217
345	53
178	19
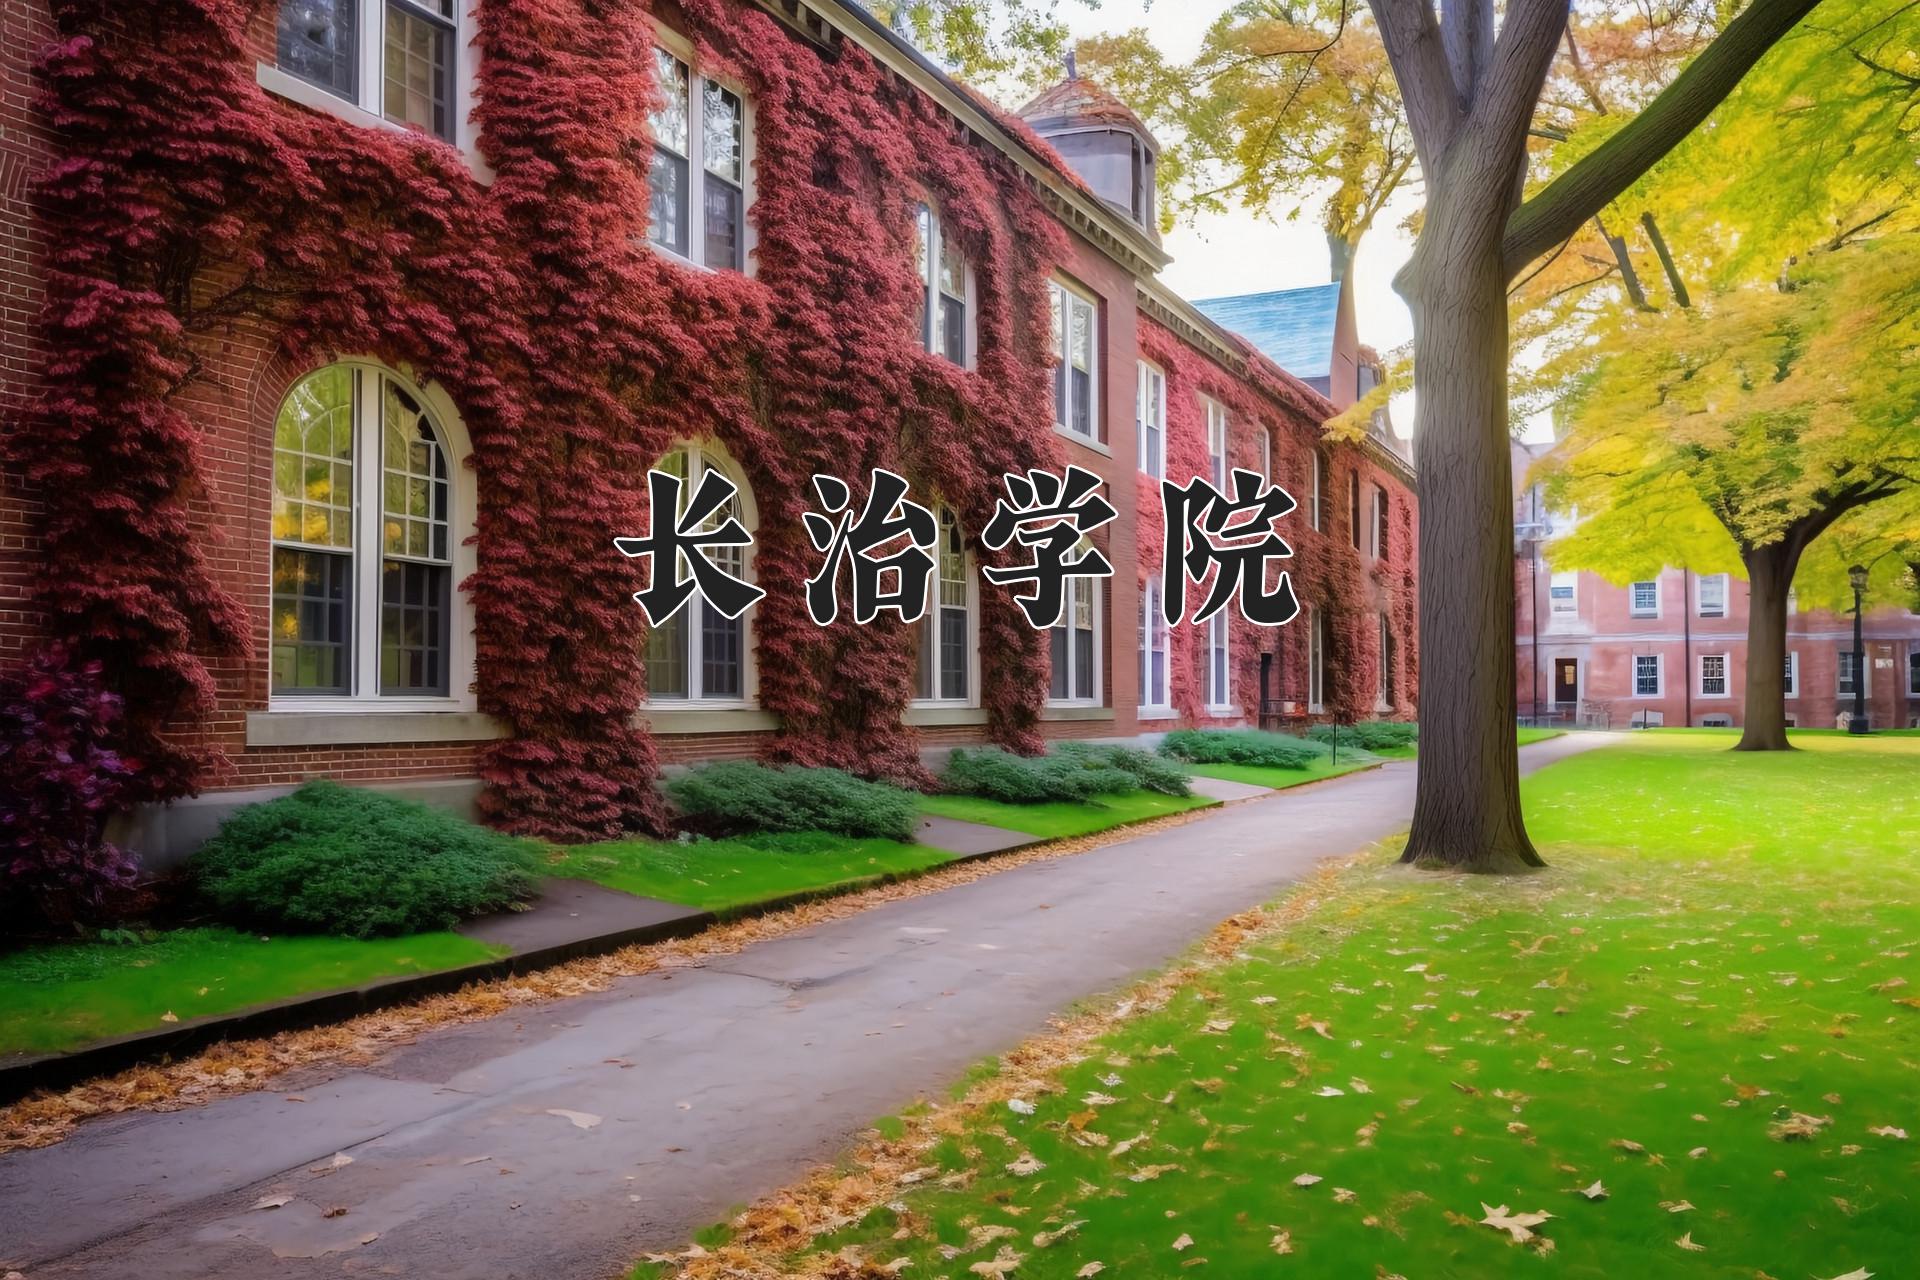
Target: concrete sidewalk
562	1141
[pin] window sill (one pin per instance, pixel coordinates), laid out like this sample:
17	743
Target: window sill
1156	713
1218	712
928	714
1085	442
358	726
1075	711
708	719
294	89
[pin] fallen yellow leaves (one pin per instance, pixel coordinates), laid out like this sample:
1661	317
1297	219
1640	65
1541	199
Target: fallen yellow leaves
1517	1225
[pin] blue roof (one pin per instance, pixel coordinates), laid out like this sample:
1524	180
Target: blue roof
1293	327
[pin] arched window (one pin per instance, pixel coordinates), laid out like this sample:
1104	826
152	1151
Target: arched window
946	632
364	538
701	655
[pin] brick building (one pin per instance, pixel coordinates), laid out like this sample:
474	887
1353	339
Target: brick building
1672	650
412	627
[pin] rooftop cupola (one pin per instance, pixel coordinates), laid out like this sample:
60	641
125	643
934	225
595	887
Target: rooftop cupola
1104	142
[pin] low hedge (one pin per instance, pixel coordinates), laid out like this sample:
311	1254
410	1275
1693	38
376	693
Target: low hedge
358	863
1242	746
1369	735
994	774
1150	772
740	796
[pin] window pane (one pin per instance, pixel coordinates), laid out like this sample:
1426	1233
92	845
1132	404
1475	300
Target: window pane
725	246
953	329
1083	662
923	265
419	72
415	491
1057	640
317	40
667	201
669	124
413	627
313	461
953	652
724	123
310	616
722	647
666	658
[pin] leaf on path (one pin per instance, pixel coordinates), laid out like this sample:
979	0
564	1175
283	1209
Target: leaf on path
1598	1191
1518	1225
272	1202
1686	1242
578	1119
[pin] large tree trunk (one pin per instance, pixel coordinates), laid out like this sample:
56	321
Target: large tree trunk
1770	571
1467	810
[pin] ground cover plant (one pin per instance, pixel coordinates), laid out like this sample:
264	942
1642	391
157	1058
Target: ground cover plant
1280	779
1064	818
718	875
1242	746
1149	771
994	774
357	863
1685	1049
1370	735
742	795
62	995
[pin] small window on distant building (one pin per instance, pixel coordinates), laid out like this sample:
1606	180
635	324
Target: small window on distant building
1646	599
1153	650
943	287
1216	442
1713	675
1076	373
1317	513
1713	595
1384	690
1848	665
1381	512
1716	722
1646	675
1353	507
1074	641
1791	687
1563	595
1150	420
1266	455
946	632
1317	663
1219	670
1913	672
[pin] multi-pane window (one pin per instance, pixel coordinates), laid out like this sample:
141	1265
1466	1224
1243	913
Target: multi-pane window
1076	381
1217	443
946	633
1219	677
697	201
362	591
1318	512
1153	650
1563	595
1073	641
1317	663
1381	514
1644	599
1353	508
395	58
1849	663
1646	675
1713	595
1384	692
1790	675
699	653
943	287
1713	675
1150	420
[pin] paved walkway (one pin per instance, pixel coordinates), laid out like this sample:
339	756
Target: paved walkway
561	1141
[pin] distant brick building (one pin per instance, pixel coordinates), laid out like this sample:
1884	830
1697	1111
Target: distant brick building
1672	650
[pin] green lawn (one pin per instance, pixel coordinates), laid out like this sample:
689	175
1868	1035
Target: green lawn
64	995
1280	779
1527	735
1056	821
1692	1042
719	875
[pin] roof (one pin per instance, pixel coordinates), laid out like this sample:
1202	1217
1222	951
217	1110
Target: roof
1293	327
1077	100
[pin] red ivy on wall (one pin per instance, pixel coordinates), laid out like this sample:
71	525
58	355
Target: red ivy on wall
188	200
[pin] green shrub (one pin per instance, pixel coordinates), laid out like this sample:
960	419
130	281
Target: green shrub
1000	775
348	861
739	796
1242	746
1150	772
1369	735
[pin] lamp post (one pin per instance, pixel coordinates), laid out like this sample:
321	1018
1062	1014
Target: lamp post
1857	575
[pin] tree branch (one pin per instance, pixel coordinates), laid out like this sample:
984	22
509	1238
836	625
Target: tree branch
1576	195
1413	45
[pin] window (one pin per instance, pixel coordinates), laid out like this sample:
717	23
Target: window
699	163
1384	694
1713	595
1317	663
1153	650
1646	675
1791	688
1216	442
1380	514
1644	599
1849	662
946	633
1076	378
1353	508
700	655
1266	455
393	58
1716	722
363	541
1318	512
1563	595
1075	641
1647	719
1913	672
1150	420
1793	721
1219	670
1713	675
944	281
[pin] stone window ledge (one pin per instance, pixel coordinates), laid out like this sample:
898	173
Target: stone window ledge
361	728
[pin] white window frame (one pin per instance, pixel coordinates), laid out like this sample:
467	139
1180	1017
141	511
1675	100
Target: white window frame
672	42
1151	376
1723	582
930	314
1155	638
1659	675
1571	580
1073	587
1065	297
1633	603
1219	638
364	617
1219	468
1317	662
366	109
929	626
1792	674
1317	512
1866	679
1726	675
1266	455
696	698
1383	683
